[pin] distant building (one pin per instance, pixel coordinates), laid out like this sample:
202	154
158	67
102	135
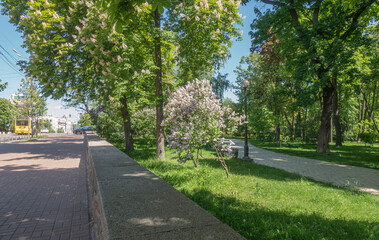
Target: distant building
57	123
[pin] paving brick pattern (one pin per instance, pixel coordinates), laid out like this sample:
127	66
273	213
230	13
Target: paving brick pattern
43	191
364	179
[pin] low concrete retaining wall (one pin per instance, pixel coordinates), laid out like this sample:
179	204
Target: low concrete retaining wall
130	202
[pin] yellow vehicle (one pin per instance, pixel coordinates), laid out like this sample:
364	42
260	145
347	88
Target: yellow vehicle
23	126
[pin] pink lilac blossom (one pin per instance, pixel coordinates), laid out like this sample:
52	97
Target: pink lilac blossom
195	117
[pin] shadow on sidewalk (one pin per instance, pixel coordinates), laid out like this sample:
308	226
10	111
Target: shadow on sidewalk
45	148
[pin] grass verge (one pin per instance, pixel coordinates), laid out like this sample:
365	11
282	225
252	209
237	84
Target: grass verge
34	138
261	202
352	153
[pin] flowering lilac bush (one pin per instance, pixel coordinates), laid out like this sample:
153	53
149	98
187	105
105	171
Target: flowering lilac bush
195	118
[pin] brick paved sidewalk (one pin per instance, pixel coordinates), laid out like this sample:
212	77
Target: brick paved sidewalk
364	179
43	191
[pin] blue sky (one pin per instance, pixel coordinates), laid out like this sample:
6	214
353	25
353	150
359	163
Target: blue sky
240	48
11	39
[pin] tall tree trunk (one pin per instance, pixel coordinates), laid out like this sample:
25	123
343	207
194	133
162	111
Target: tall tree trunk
277	130
129	146
290	125
359	117
293	126
277	120
336	113
37	127
158	87
305	124
323	136
299	123
331	129
363	112
373	103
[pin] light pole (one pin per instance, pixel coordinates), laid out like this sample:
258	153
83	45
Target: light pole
245	84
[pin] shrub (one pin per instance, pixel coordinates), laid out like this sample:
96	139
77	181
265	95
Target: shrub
143	124
195	118
369	137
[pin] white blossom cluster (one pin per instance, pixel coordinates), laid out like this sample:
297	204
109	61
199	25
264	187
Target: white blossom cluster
214	22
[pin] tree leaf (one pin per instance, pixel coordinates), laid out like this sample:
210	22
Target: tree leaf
160	9
118	27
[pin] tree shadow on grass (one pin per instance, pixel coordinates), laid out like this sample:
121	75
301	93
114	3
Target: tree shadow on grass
238	167
257	222
142	154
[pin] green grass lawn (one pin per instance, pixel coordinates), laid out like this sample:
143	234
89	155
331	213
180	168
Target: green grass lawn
261	202
352	153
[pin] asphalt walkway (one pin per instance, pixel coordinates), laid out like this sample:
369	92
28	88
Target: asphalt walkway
364	179
43	191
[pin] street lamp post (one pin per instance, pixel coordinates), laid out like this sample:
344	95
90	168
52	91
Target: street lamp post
245	84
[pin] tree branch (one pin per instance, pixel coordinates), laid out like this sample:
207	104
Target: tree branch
295	17
315	15
356	16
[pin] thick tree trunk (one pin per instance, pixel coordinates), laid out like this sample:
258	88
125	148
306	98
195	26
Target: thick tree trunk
158	88
129	146
324	133
336	114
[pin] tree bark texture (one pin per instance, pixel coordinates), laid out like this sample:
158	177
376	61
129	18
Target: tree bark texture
129	146
158	88
324	133
336	113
